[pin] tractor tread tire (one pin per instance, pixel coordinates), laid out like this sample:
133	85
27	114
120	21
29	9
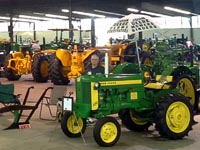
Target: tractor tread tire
55	72
161	118
65	128
9	73
127	121
36	68
97	131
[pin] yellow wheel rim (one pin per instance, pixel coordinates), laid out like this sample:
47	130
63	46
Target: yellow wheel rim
44	68
178	117
136	120
108	132
186	88
73	125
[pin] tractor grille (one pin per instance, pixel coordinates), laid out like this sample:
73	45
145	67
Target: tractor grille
83	92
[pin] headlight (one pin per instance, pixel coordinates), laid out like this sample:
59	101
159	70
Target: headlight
97	84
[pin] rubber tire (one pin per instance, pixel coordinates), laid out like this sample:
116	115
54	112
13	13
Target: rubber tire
184	76
161	116
98	129
65	118
55	71
37	74
9	73
129	123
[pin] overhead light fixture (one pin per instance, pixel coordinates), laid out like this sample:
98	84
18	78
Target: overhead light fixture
84	13
88	14
38	13
132	10
107	12
35	18
65	10
56	16
5	18
177	10
17	19
153	14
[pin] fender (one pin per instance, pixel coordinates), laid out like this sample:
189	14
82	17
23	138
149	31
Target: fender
64	56
89	52
176	71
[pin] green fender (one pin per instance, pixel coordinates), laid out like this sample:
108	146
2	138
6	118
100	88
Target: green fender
126	68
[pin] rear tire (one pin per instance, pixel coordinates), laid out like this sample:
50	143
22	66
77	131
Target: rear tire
186	87
40	68
131	122
174	116
56	72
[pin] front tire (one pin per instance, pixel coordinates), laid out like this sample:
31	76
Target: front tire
174	116
71	125
9	73
106	131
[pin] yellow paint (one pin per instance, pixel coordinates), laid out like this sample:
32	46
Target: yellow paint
78	79
167	78
94	97
134	95
157	85
178	117
125	82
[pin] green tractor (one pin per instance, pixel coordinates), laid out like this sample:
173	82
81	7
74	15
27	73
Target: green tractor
165	102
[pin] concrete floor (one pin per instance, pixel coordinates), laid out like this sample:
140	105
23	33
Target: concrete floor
47	135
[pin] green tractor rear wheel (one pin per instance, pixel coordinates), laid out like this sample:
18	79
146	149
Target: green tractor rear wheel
131	122
186	87
106	131
174	116
71	125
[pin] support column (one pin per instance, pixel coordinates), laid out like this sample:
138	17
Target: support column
10	29
34	32
71	33
191	30
93	41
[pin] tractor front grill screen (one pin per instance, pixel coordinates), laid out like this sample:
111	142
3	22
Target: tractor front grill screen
83	92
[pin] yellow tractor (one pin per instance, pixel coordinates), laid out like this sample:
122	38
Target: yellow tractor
65	65
23	63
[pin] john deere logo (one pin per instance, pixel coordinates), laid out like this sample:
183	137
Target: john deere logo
125	82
